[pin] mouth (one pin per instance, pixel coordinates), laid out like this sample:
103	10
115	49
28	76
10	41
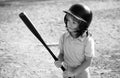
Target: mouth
72	29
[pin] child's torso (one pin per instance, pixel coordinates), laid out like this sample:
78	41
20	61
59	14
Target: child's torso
73	50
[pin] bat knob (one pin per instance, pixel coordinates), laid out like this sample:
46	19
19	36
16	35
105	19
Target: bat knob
22	14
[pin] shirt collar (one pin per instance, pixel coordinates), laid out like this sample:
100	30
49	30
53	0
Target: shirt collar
83	37
79	38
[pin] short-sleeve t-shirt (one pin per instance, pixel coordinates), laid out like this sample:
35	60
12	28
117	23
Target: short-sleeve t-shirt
75	49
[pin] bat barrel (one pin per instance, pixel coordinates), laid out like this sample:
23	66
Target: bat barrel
37	35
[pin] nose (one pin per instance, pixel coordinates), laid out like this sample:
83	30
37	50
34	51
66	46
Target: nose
69	24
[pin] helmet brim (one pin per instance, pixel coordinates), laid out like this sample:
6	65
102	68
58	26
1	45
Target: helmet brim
68	12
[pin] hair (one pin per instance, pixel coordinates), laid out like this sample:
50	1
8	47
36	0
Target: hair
83	26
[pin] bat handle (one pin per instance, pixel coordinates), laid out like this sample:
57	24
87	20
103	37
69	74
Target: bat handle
63	68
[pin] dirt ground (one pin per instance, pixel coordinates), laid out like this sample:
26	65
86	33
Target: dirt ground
23	56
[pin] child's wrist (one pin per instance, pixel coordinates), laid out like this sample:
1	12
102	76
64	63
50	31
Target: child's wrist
75	72
60	60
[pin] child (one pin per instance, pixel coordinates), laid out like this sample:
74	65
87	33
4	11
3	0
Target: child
77	45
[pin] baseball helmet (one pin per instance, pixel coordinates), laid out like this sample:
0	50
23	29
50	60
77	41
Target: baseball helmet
80	12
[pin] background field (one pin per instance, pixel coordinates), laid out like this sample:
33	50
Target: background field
23	56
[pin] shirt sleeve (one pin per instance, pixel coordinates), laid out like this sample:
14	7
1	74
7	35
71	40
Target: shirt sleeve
90	49
61	41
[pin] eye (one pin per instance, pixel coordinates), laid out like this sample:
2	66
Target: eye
74	22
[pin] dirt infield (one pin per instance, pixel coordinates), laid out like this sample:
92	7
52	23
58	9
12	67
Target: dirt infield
23	56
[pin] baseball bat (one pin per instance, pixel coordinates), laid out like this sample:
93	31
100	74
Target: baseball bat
36	34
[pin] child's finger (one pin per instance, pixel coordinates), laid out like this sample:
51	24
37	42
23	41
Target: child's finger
58	64
64	74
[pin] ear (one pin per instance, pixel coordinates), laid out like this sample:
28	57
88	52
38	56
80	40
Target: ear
65	20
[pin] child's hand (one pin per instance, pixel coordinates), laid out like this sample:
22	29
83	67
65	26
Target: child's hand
68	74
58	64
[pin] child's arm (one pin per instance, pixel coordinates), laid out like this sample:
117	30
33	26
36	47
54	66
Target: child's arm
58	63
89	54
79	69
83	66
61	56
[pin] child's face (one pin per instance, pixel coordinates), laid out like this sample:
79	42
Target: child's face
72	24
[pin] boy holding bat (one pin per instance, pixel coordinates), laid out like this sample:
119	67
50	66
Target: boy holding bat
77	45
